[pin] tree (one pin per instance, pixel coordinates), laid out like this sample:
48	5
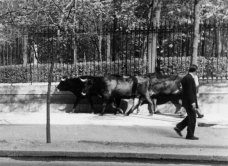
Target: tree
196	31
216	11
90	19
154	17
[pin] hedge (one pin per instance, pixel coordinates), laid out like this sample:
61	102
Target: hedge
208	68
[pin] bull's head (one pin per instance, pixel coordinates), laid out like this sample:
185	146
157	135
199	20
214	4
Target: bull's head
87	83
85	88
62	86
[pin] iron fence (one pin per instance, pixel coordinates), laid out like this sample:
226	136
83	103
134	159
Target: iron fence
26	55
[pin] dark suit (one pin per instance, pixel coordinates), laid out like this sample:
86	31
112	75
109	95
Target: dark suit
189	97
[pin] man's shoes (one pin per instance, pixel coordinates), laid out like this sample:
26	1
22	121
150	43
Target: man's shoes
178	131
192	138
201	116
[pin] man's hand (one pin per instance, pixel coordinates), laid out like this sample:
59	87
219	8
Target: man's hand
194	106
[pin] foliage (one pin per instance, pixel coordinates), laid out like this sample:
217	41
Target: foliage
208	68
38	73
215	9
85	21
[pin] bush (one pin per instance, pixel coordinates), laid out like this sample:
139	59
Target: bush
208	68
39	72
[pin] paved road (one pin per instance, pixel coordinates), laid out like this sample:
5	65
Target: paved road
98	162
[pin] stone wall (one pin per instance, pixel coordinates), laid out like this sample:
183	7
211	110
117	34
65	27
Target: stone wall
32	98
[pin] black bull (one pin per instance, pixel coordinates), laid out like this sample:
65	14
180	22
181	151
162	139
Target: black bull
111	88
76	85
116	87
166	88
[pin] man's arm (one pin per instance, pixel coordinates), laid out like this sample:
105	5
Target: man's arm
190	88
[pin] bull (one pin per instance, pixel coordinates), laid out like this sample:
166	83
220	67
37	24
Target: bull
113	87
163	89
76	86
167	88
159	99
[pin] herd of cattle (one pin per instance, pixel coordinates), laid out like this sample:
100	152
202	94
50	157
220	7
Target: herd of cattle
151	88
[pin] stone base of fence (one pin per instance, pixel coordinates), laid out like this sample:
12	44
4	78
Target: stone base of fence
213	97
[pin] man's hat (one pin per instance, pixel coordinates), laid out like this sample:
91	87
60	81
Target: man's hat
192	68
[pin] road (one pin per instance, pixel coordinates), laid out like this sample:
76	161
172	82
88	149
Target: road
96	162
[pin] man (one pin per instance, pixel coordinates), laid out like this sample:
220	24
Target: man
198	113
189	102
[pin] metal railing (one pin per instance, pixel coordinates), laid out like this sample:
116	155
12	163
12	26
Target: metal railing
26	55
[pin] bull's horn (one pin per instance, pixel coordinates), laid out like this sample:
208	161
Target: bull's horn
83	80
83	94
176	91
63	79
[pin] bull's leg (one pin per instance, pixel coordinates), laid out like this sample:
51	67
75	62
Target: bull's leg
141	99
178	108
155	105
132	108
138	110
150	105
116	108
118	100
76	103
104	106
90	102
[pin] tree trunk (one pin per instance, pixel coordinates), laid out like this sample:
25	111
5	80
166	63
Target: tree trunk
108	47
75	36
100	37
25	50
53	55
152	42
114	39
100	47
196	31
75	53
50	76
35	54
48	126
218	43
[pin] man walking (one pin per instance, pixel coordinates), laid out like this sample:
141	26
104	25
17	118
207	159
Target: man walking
198	112
189	102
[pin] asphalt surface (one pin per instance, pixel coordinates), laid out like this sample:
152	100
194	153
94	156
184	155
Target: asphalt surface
109	136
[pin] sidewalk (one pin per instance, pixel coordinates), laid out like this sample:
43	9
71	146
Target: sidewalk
89	135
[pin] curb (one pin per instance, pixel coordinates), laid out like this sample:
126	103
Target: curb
116	155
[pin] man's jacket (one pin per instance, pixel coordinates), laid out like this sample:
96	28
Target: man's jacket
189	91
